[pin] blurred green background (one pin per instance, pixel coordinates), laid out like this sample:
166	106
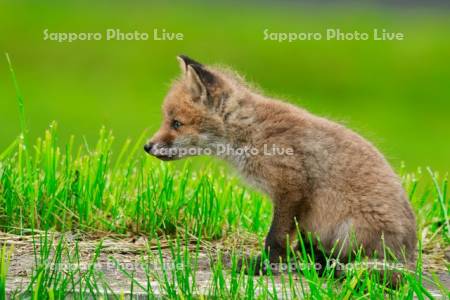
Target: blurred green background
395	93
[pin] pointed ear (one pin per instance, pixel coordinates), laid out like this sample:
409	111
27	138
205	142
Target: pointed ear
185	61
195	84
200	80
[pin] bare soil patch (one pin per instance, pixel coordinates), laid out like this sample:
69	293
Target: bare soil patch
127	255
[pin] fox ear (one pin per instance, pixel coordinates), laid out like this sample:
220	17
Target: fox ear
198	78
185	61
195	84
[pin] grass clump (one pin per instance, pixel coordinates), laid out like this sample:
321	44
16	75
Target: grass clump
86	188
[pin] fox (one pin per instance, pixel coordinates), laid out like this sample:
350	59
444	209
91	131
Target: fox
333	185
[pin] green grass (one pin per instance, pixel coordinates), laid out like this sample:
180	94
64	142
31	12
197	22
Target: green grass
5	256
89	189
95	189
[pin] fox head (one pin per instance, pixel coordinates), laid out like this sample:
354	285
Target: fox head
193	113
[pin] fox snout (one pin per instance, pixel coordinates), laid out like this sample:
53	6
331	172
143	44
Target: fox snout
158	150
148	147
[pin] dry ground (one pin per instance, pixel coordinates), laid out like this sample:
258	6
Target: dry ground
129	252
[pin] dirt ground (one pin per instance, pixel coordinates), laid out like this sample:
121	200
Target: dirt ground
128	254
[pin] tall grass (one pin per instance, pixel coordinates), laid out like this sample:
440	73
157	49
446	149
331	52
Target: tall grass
5	257
88	189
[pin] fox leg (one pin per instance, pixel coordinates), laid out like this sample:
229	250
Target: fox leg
281	232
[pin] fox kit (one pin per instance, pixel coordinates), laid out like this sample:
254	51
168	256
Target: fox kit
331	184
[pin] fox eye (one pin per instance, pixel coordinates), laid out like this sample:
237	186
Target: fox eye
176	124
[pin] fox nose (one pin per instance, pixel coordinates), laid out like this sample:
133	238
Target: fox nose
148	147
